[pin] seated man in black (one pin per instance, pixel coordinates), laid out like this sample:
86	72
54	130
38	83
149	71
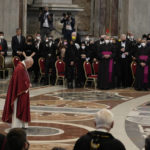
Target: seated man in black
147	143
17	139
3	45
100	139
3	145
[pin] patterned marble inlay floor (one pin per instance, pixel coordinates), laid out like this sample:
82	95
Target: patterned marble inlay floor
89	95
60	116
138	120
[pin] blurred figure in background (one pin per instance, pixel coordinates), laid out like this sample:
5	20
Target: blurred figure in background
17	139
17	43
3	45
48	51
68	25
46	22
106	56
124	58
142	70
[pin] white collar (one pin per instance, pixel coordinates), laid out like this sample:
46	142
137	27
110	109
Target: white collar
102	130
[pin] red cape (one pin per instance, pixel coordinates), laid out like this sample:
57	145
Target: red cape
18	86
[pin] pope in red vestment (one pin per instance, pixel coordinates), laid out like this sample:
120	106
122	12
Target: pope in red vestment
18	90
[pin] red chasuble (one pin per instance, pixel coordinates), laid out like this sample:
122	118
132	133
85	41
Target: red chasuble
18	89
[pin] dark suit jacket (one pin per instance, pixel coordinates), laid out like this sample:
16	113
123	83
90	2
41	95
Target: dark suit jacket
4	45
50	20
16	46
105	140
127	49
45	50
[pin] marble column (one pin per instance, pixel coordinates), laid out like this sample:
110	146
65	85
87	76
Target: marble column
108	6
114	28
123	16
139	17
9	19
23	15
24	29
92	17
104	16
96	18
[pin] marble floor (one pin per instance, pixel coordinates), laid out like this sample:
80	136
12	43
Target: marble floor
60	116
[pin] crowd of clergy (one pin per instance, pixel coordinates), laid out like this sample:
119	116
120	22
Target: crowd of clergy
114	55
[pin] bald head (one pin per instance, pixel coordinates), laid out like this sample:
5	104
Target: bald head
102	36
74	33
46	8
104	119
123	37
29	62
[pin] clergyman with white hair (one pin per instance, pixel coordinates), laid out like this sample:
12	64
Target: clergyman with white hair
100	139
17	105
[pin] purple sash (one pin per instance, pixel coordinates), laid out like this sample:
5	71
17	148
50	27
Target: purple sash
110	64
144	57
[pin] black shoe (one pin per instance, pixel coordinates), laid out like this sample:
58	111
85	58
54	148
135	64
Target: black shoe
71	86
138	89
52	83
78	85
35	80
46	83
145	89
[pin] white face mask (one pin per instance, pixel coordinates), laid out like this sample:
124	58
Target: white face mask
65	43
87	39
83	47
50	38
38	38
143	44
111	41
106	41
132	37
1	37
46	40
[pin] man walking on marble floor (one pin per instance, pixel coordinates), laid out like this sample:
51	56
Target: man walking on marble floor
17	105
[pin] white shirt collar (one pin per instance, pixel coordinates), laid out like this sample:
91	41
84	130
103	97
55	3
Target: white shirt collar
102	130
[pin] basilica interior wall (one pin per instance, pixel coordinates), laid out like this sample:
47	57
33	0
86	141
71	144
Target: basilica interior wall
9	17
83	18
132	15
139	17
